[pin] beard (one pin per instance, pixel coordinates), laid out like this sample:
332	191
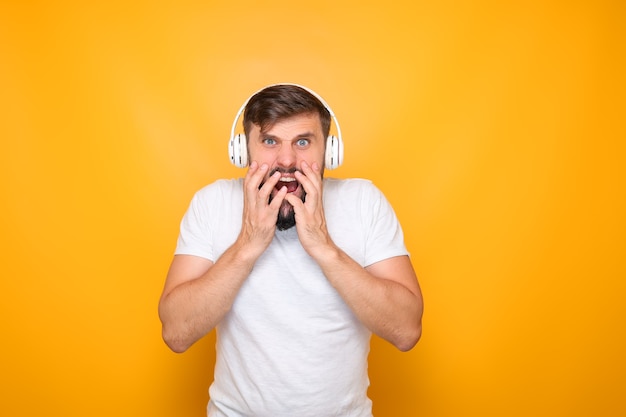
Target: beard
286	216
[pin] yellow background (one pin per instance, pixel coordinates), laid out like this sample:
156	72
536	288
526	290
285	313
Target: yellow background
496	129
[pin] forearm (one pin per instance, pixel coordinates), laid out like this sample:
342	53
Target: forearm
385	296
198	294
385	306
193	308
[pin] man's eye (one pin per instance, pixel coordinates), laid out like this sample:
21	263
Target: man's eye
269	141
302	142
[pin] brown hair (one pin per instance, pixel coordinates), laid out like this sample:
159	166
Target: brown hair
282	101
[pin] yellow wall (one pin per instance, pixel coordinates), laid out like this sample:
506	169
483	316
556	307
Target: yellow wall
495	128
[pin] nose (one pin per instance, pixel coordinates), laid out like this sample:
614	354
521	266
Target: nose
286	157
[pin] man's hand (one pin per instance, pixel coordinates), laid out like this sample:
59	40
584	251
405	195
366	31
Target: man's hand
259	216
310	219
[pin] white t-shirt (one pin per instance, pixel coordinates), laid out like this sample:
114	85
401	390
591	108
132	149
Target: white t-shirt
290	346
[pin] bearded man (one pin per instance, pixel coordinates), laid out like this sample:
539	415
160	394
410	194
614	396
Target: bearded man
294	270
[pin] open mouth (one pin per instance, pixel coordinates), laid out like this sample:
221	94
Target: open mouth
289	182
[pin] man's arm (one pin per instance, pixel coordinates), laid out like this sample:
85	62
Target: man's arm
384	296
198	293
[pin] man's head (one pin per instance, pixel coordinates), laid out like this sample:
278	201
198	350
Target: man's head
283	101
284	126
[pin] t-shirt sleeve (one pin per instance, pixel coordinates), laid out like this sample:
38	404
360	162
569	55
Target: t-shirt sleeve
195	231
384	238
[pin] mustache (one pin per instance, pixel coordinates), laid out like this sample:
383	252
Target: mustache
284	171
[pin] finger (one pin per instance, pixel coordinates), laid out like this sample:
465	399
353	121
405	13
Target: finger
252	169
278	198
268	186
306	168
312	172
311	181
254	166
304	176
255	176
296	202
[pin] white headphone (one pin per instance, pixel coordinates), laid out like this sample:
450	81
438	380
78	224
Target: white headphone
238	148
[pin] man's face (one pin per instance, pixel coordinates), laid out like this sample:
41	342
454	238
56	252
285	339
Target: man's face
284	147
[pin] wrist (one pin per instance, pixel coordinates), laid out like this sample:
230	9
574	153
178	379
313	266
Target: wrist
326	254
246	250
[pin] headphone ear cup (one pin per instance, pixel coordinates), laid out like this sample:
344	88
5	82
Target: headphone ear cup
238	151
334	152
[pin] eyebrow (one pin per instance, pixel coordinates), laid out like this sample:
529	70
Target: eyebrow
303	135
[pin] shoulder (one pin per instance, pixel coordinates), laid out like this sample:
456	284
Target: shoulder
357	196
347	184
360	196
350	187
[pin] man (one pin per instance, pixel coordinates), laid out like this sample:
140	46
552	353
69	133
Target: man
295	271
